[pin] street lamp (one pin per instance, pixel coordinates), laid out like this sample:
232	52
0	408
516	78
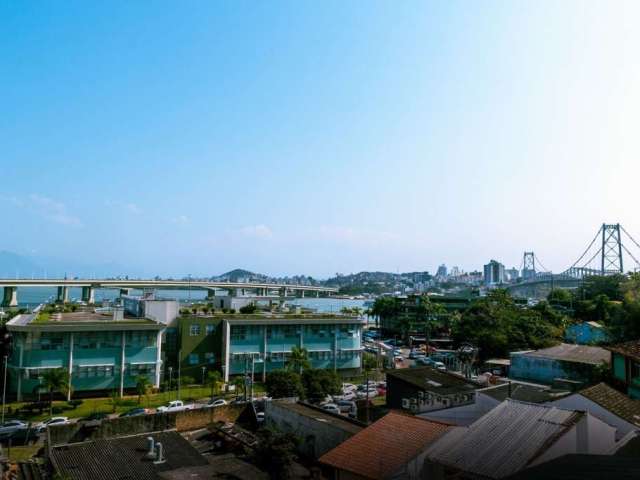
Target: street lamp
204	369
170	377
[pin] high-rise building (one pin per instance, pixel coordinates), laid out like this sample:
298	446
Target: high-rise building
494	273
442	271
512	274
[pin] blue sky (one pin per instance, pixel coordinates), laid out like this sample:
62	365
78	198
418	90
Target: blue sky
316	137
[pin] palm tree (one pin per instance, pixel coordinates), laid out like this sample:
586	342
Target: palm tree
143	385
239	383
214	379
55	380
299	359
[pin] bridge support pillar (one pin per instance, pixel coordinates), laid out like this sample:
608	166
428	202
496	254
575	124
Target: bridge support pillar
10	297
124	291
318	294
88	295
302	293
63	294
211	294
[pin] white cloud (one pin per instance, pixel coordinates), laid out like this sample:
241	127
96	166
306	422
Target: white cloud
129	207
257	231
52	210
181	220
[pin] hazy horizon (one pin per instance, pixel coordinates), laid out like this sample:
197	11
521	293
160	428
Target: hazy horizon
313	138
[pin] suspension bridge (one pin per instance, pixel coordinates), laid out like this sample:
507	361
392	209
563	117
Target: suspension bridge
608	253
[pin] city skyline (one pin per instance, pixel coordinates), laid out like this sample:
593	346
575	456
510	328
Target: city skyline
314	139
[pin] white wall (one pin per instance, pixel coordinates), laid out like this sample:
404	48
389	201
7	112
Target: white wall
578	402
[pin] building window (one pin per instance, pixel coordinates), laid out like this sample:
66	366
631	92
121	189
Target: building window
238	332
210	329
141	369
194	329
210	357
194	359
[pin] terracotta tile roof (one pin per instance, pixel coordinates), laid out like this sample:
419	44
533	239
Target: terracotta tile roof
614	401
628	349
384	447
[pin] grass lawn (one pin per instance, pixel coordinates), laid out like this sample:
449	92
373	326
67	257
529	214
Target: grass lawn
105	404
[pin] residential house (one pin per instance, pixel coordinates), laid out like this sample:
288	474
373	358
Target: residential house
486	399
625	366
583	467
607	404
513	436
392	447
580	363
586	333
318	431
423	389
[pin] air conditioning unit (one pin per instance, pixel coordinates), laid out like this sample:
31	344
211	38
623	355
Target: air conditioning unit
406	403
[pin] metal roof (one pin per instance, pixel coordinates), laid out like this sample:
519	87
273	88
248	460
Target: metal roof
573	353
503	441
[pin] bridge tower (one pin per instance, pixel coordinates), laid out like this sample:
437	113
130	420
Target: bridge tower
528	265
611	260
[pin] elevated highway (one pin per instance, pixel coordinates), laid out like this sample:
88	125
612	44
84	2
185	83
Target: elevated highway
88	286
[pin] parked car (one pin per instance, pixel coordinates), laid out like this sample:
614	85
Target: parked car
216	402
371	393
429	362
134	412
347	387
42	427
94	419
347	396
260	417
346	406
331	408
174	406
440	366
21	436
10	427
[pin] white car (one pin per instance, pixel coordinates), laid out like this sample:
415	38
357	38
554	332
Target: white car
349	395
372	392
218	402
348	387
52	421
174	406
331	408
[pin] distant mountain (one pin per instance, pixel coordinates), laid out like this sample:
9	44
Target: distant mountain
13	264
241	275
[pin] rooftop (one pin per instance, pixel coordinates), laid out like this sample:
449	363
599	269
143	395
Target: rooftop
614	401
582	467
123	458
524	392
315	413
83	320
629	349
384	447
227	466
573	353
432	380
503	441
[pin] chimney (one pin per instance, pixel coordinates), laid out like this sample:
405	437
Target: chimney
160	454
152	447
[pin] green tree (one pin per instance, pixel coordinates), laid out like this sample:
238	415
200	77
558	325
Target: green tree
496	325
274	452
186	382
143	386
239	383
318	383
55	380
214	380
298	360
283	384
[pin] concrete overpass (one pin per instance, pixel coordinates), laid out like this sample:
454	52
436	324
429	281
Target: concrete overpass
88	286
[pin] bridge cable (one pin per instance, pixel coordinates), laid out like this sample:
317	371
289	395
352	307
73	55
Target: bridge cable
544	269
585	252
592	258
630	254
630	237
